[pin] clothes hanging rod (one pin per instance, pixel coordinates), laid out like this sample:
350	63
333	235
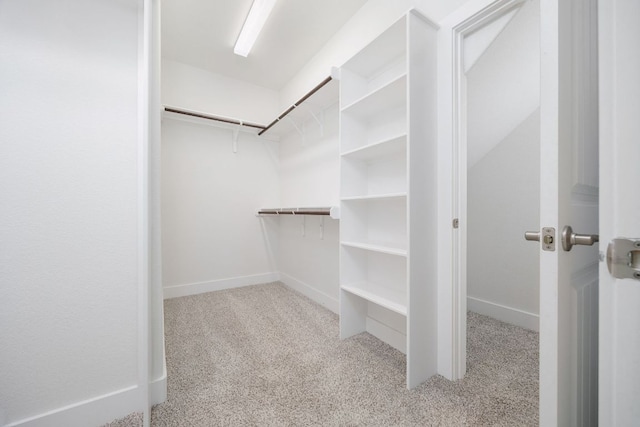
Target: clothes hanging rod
333	211
262	128
212	117
296	104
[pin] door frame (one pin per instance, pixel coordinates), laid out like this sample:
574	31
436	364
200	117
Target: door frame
452	179
619	342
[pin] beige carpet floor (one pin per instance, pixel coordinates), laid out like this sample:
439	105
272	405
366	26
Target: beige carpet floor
267	356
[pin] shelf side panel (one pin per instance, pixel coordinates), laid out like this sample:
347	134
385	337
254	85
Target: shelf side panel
422	333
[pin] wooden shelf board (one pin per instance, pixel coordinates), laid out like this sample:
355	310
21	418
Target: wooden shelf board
376	248
388	96
374	197
378	149
376	298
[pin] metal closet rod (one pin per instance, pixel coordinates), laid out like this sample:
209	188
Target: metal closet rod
212	117
262	128
293	107
295	211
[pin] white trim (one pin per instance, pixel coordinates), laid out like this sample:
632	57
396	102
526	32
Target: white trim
311	292
158	388
608	59
387	334
145	25
157	380
219	285
452	296
504	313
96	411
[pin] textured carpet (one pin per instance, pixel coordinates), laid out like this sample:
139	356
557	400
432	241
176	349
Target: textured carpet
132	420
267	356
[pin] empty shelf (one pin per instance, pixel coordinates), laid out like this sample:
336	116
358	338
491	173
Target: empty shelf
376	298
376	248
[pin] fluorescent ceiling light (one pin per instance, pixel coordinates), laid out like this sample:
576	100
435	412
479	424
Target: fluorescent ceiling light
260	10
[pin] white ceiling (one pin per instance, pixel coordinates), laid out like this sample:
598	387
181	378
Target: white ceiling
202	33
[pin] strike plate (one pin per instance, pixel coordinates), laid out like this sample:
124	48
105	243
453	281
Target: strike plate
623	258
548	239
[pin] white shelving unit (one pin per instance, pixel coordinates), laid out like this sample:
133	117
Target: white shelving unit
388	258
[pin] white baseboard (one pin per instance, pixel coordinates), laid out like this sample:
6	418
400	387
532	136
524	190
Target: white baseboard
310	292
218	285
505	314
158	386
395	339
158	389
92	412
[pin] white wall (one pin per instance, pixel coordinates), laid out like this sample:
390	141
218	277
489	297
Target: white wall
310	165
503	137
69	172
211	237
199	90
310	176
504	202
503	85
371	20
308	170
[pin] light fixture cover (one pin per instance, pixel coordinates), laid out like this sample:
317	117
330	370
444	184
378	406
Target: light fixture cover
260	10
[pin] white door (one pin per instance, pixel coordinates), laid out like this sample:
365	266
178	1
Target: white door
619	58
569	197
589	321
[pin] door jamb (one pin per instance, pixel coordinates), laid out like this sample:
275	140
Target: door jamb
452	295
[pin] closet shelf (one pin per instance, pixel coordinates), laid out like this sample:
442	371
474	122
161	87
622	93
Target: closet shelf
376	248
381	300
374	197
378	149
389	96
332	211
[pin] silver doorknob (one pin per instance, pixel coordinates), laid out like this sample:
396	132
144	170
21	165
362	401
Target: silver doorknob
569	238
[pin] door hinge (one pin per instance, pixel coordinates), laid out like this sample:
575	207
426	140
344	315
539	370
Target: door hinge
456	223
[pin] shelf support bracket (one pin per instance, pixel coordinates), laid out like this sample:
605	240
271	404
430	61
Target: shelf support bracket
319	121
295	125
304	226
236	132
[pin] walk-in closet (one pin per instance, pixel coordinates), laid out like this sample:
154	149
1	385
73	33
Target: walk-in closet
319	213
306	200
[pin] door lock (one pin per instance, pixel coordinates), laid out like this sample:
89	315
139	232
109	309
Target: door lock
623	258
548	238
569	238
